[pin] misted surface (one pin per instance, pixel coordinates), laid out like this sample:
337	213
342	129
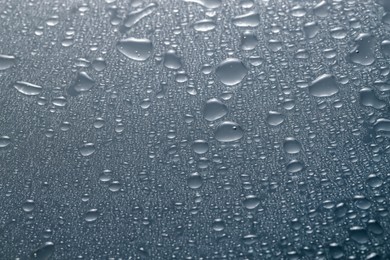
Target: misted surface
194	129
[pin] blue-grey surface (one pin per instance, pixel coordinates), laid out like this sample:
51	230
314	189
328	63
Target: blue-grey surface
195	129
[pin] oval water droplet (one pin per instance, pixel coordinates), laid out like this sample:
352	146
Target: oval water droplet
251	19
228	131
200	146
231	71
275	118
204	25
194	181
27	89
251	202
87	149
291	145
91	215
171	60
214	109
44	252
6	61
4	141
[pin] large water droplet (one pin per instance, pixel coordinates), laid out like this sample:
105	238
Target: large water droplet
251	202
369	99
228	131
324	86
4	141
135	48
382	126
194	181
6	61
294	166
45	252
363	53
231	71
87	149
251	19
27	89
291	145
275	118
91	215
214	109
204	25
210	4
200	146
135	16
171	60
82	84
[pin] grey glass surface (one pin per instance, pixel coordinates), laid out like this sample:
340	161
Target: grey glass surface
195	129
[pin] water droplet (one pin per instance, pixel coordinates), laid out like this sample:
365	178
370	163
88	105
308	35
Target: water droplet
291	145
251	202
83	83
214	109
324	86
369	99
359	235
210	4
44	252
171	60
87	149
382	126
4	141
294	166
6	61
321	9
311	29
28	206
204	25
231	71
27	89
200	146
135	16
135	48
251	19
363	53
248	41
228	131
275	118
218	225
99	64
91	215
194	181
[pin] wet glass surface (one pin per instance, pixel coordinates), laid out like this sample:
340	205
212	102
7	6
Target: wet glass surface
194	129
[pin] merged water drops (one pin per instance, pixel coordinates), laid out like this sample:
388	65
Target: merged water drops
369	99
231	71
135	16
137	49
363	53
83	83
